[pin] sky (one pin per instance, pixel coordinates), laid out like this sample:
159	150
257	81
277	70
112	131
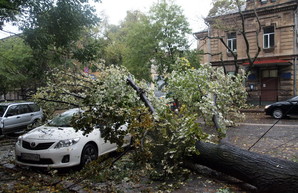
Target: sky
194	10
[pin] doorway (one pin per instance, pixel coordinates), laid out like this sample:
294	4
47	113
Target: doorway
269	86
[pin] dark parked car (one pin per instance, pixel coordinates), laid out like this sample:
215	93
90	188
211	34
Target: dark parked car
282	109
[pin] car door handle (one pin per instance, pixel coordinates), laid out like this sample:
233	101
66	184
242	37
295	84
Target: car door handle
31	115
18	117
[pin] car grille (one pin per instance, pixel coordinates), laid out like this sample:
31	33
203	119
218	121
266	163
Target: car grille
39	146
42	161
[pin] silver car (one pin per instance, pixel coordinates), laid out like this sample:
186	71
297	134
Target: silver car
17	116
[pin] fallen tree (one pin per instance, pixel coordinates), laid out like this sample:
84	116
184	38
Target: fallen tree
267	174
165	141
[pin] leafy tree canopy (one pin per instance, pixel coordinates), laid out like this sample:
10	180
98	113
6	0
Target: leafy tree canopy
18	68
10	9
170	29
221	7
156	38
57	23
110	102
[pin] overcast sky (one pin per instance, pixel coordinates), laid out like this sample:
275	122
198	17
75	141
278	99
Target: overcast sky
194	10
116	10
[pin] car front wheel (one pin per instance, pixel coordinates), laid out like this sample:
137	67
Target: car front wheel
277	114
89	154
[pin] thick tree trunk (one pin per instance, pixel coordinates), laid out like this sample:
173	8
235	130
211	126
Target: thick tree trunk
268	174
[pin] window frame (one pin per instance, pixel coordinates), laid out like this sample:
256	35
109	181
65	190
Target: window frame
232	41
268	36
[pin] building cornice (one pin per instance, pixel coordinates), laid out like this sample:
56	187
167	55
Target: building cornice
250	13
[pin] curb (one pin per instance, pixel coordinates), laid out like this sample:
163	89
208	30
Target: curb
252	111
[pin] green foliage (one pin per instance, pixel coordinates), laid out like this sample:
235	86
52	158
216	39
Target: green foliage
60	31
108	101
58	24
161	140
174	138
170	28
143	40
221	7
140	45
10	9
196	89
18	68
224	190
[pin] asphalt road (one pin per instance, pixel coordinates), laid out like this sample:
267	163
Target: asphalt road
263	134
280	140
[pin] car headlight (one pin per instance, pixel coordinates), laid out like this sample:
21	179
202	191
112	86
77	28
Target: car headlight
20	139
267	106
66	143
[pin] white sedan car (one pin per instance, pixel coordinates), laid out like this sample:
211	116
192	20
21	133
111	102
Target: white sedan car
57	145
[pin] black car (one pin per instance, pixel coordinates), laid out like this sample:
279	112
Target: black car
282	109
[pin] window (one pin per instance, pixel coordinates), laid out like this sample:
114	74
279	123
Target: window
264	1
269	73
268	37
12	111
34	107
24	109
232	41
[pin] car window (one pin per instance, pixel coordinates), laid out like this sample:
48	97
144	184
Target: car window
34	107
62	120
12	110
24	109
2	109
294	99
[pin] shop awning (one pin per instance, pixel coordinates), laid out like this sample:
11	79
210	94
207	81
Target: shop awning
273	62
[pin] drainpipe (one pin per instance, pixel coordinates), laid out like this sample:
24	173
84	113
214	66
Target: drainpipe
295	51
209	44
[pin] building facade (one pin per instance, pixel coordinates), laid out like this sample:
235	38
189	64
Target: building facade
272	26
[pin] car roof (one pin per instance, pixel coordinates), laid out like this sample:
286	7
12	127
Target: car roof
15	103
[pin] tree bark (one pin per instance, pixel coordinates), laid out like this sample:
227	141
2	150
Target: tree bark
267	174
141	93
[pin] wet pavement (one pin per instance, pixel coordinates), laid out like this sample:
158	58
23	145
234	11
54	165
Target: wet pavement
280	140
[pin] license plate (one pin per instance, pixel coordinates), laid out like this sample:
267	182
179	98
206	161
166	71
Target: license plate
30	156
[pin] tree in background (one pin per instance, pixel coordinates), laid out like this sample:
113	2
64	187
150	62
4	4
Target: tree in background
18	68
140	43
56	34
222	7
10	9
154	39
54	28
170	29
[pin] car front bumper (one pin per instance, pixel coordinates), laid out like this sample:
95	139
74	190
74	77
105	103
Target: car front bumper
48	158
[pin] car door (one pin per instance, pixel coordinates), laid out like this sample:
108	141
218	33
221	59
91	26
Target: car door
36	112
293	109
106	146
12	119
25	114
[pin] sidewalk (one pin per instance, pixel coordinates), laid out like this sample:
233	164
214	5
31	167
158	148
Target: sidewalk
253	110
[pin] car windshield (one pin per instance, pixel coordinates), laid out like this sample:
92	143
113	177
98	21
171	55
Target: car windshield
2	109
293	99
62	120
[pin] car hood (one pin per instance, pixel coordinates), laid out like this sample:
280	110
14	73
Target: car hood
52	133
280	103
